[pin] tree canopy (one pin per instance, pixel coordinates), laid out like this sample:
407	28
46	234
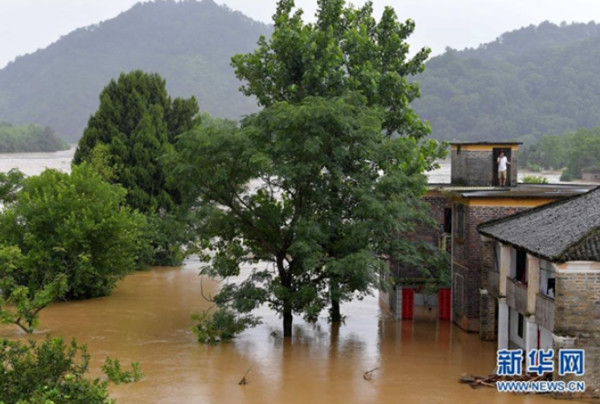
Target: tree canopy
346	49
134	126
72	224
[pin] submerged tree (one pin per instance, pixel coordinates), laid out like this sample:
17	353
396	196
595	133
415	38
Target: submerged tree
345	50
324	183
136	123
314	189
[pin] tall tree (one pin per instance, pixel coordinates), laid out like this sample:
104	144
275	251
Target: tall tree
137	121
345	50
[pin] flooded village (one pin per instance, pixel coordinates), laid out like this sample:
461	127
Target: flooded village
417	355
243	211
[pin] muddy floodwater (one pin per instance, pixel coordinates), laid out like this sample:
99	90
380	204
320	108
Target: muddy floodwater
147	319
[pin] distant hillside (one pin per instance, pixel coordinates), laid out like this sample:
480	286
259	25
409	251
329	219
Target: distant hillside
188	43
529	82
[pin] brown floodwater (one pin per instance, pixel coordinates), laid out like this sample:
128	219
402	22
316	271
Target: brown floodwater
147	319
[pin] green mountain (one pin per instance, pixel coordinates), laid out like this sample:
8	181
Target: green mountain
188	43
536	80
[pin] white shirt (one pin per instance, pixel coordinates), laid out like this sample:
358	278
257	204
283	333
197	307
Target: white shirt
502	163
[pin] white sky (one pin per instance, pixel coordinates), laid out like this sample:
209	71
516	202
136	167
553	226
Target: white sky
28	25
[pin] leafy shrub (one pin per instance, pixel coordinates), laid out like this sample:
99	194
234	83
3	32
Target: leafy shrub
533	179
222	325
48	372
112	369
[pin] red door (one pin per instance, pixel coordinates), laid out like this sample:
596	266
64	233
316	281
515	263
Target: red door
408	303
444	303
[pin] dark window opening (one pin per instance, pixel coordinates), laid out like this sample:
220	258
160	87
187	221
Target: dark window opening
447	220
520	325
521	274
550	290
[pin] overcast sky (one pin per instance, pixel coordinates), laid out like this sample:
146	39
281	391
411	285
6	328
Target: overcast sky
28	25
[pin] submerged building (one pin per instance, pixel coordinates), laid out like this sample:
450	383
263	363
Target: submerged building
543	274
472	197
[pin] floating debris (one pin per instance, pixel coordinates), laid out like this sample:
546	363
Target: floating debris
490	380
244	381
368	375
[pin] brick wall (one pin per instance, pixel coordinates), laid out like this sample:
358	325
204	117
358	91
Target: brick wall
577	315
437	204
487	299
467	260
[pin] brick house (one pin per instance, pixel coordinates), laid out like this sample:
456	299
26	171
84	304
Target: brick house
471	198
544	276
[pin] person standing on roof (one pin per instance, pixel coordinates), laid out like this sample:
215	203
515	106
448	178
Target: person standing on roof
503	164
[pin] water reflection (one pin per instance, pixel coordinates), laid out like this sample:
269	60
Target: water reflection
147	319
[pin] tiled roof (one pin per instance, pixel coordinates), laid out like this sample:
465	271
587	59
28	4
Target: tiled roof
567	230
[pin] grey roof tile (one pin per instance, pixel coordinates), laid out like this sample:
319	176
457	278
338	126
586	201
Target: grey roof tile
561	231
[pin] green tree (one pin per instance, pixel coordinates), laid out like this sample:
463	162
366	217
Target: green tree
53	371
137	122
315	189
582	153
344	50
72	224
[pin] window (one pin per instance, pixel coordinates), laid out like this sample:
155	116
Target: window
547	279
521	273
448	220
520	325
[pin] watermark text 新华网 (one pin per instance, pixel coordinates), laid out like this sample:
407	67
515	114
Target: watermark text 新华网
540	361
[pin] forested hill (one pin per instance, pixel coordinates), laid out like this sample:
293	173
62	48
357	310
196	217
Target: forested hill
536	80
188	43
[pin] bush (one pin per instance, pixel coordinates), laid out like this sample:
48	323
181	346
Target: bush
112	369
48	372
533	179
75	225
222	325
